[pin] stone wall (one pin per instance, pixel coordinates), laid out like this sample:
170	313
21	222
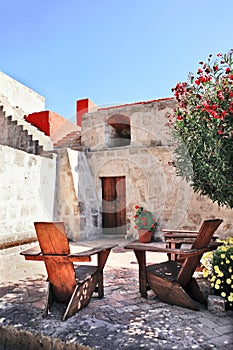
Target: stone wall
27	193
152	183
148	125
150	180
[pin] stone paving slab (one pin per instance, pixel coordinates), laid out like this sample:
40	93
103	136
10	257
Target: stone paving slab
121	320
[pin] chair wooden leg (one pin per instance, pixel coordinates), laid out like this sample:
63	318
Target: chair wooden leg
100	285
49	301
170	292
141	258
81	295
102	258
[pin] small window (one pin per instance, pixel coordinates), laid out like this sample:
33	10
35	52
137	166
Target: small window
118	131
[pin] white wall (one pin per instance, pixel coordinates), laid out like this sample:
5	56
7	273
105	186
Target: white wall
20	95
27	186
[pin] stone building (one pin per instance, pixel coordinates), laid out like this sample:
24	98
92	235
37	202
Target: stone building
92	173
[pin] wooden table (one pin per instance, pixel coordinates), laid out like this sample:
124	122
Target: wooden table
180	239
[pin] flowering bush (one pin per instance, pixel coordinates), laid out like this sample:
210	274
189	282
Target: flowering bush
144	219
218	268
204	129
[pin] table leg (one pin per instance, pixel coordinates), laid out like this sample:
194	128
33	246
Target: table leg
141	258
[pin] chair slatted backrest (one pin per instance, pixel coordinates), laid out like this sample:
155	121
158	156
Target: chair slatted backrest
202	240
55	248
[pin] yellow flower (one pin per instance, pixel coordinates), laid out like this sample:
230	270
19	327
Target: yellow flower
223	256
230	298
218	281
220	274
213	278
231	256
223	294
216	268
216	286
228	261
230	269
205	273
228	280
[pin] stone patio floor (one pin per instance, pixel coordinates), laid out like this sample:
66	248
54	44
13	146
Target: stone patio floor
121	320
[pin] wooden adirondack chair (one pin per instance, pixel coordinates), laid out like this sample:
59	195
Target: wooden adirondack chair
173	281
68	284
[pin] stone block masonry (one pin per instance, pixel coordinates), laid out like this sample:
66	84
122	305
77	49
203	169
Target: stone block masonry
13	135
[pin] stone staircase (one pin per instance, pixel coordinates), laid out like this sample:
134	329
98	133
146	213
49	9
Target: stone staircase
71	140
17	114
14	134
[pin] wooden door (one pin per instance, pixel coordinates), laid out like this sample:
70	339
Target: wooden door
114	205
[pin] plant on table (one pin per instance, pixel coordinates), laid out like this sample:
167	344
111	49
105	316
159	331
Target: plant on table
144	219
218	268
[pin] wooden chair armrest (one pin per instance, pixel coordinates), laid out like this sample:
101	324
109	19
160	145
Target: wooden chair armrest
93	251
159	249
35	251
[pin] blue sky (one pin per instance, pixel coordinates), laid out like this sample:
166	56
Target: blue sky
110	51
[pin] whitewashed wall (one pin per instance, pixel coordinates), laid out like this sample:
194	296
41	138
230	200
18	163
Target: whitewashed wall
27	186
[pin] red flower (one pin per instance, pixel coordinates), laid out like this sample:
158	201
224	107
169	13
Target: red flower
231	107
214	114
197	82
135	216
135	226
179	117
231	93
215	68
228	70
231	76
219	54
220	132
137	207
223	114
206	105
220	95
203	79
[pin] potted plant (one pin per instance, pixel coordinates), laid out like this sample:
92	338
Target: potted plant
217	266
146	224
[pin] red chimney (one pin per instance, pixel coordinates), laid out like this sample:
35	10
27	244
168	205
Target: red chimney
84	106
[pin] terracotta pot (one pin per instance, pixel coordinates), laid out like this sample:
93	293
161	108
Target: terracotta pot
144	236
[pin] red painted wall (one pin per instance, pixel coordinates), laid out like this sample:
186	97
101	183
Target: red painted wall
46	121
84	106
81	108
